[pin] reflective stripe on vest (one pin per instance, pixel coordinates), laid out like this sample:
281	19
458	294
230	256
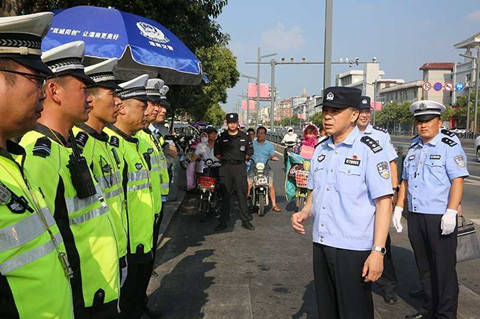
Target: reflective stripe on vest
110	180
164	185
29	256
138	187
113	193
137	176
25	230
89	215
75	204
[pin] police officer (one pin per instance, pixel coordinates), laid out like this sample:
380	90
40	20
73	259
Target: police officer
233	147
388	282
34	270
433	176
69	188
350	200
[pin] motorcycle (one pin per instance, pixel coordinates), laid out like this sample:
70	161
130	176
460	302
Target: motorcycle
207	185
296	180
289	147
260	189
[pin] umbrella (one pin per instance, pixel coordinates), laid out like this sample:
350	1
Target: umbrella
141	44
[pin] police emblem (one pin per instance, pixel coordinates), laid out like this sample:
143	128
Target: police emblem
459	160
242	148
320	158
383	170
364	101
151	32
330	96
411	157
5	194
139	166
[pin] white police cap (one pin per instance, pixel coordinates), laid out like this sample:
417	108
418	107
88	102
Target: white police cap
102	74
153	89
66	59
425	110
21	39
163	96
134	89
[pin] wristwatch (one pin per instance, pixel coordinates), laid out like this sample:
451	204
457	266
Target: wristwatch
381	250
396	188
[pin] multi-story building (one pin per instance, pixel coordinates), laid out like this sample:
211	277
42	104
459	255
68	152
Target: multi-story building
464	71
438	74
404	92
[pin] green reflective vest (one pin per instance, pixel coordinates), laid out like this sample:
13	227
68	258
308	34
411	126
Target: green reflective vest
98	153
33	283
137	187
85	224
158	141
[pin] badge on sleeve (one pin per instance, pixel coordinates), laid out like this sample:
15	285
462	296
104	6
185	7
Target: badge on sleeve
114	141
383	170
320	158
139	166
459	160
5	195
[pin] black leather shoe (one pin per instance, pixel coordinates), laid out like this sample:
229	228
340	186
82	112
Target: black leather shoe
221	226
154	314
416	316
390	297
248	225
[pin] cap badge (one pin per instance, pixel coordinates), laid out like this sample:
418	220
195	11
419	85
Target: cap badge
330	96
422	106
364	101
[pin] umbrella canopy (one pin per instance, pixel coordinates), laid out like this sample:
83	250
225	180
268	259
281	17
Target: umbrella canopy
141	44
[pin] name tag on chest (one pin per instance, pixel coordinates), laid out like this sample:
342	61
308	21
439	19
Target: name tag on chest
352	161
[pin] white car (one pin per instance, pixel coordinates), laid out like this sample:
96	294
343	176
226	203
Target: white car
476	147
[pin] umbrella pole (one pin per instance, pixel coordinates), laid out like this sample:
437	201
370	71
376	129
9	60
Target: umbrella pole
173	119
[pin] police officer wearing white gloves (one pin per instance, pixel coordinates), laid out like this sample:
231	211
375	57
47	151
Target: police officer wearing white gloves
433	176
351	205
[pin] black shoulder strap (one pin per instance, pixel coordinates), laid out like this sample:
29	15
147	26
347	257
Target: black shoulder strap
114	141
381	129
413	145
42	147
371	143
449	142
81	138
447	132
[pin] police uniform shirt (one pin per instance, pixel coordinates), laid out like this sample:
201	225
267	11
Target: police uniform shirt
233	147
429	169
382	137
345	179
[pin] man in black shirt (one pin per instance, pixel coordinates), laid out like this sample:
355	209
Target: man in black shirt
233	147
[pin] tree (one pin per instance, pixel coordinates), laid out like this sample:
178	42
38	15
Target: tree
317	119
215	115
394	113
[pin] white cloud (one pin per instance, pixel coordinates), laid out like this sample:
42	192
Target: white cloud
280	38
474	15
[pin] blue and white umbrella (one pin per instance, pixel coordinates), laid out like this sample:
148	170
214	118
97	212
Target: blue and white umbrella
141	44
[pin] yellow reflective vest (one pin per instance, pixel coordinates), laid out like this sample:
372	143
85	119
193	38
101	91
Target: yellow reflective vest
137	187
33	281
97	151
85	224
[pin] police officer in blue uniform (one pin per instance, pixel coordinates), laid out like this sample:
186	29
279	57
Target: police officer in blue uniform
350	201
233	147
433	177
388	282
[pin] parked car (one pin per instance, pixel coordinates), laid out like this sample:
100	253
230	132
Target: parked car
476	147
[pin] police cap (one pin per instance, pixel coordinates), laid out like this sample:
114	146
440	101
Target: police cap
425	110
232	117
364	104
341	97
153	89
102	74
134	89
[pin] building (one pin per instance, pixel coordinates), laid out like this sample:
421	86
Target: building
465	71
438	74
283	109
401	93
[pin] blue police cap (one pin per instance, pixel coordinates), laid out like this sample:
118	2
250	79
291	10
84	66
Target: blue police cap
341	97
232	117
364	103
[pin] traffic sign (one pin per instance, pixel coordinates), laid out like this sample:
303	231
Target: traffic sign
438	86
426	86
460	86
448	86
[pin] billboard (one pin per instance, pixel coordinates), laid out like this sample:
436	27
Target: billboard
264	91
252	105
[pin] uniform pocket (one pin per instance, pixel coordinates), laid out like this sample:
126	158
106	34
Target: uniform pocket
437	170
348	179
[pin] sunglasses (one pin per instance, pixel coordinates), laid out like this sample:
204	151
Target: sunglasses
40	80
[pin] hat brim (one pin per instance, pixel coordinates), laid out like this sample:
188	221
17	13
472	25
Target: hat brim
232	121
79	74
364	108
164	102
111	85
335	105
33	62
426	117
153	98
142	98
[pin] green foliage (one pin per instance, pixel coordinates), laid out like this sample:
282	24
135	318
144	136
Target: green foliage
215	115
393	113
289	121
317	119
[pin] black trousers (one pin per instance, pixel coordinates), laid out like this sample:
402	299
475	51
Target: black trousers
435	255
340	289
233	178
388	282
132	301
104	311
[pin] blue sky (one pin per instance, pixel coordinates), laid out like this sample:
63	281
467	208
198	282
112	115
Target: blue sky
402	34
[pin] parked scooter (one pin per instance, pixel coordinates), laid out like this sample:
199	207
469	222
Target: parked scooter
208	185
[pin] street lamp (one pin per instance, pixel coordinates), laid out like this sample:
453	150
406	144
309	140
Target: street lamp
248	77
259	60
476	67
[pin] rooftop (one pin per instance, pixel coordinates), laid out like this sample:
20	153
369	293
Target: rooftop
472	42
402	86
437	66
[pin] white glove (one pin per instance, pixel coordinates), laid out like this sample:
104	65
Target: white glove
449	221
397	218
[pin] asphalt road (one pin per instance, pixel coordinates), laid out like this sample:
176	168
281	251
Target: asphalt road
267	273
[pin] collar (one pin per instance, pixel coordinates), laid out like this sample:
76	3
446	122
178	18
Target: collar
12	148
146	130
348	141
126	137
433	142
52	134
152	128
93	133
369	129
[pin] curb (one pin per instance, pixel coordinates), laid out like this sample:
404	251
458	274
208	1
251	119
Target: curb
169	211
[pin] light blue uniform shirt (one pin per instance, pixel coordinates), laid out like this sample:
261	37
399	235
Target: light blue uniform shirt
345	179
429	170
383	138
262	152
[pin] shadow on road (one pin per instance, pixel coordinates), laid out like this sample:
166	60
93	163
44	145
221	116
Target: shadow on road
309	305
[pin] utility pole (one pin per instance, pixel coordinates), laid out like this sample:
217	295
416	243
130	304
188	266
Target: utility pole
477	67
258	84
273	93
327	49
248	77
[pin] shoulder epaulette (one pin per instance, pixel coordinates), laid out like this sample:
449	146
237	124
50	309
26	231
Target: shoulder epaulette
371	143
448	133
42	147
322	140
81	139
449	142
114	141
381	129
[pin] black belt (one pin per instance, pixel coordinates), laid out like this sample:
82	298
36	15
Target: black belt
234	162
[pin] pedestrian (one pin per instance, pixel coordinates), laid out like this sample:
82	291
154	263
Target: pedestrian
69	186
263	152
350	200
95	147
233	148
251	133
388	282
137	187
34	269
433	177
